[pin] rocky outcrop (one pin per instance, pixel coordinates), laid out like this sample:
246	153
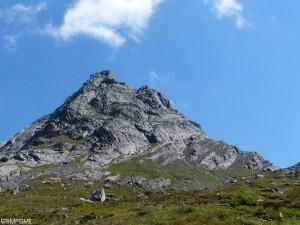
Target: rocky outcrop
21	188
106	121
9	171
273	188
296	167
295	170
210	154
2	143
142	182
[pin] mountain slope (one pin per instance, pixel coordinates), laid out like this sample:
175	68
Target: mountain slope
249	201
296	167
2	143
295	170
106	121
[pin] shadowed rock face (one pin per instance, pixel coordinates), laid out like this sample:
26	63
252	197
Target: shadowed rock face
297	166
106	120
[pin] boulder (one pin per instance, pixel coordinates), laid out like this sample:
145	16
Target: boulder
99	195
24	187
108	185
89	184
112	178
260	176
273	188
9	171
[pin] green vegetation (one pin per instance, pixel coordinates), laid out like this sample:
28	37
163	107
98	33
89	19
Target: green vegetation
59	140
243	198
232	204
42	168
182	174
38	169
65	139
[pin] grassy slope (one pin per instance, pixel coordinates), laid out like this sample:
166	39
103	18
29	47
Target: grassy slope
181	173
52	204
50	142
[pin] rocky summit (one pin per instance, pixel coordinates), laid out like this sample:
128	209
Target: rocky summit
106	122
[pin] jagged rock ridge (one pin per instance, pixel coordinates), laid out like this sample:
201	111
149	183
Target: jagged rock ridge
2	143
106	120
295	169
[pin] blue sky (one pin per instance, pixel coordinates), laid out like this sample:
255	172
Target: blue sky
231	65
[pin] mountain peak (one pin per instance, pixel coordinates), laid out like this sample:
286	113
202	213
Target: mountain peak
105	74
106	121
104	77
152	97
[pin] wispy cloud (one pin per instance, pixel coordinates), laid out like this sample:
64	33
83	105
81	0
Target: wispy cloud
10	42
17	20
155	78
229	9
21	13
109	21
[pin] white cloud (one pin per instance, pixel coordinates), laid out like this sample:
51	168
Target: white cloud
10	42
229	9
17	20
155	78
21	13
110	21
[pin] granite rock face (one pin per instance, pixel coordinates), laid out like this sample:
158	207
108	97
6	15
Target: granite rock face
8	171
295	170
2	143
106	121
142	182
296	167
